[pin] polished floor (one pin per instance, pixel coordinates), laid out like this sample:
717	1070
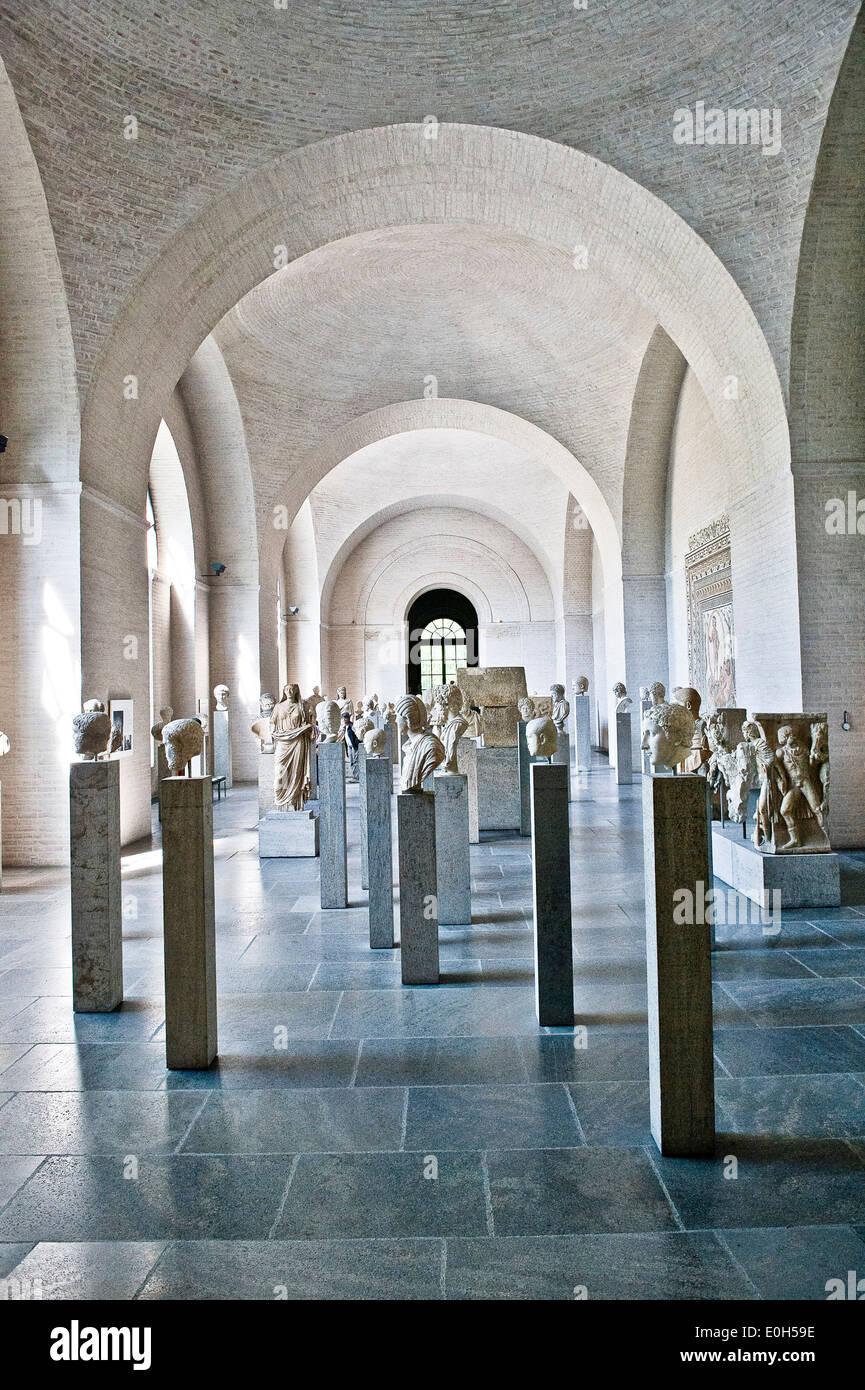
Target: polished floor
359	1139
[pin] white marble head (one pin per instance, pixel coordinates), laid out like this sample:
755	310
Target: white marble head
374	741
220	695
5	745
526	708
581	684
667	733
329	718
541	738
412	713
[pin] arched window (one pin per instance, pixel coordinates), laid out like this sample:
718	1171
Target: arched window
442	650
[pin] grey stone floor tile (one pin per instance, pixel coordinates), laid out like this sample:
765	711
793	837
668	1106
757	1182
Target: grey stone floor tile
384	1195
435	1011
673	1266
301	1063
487	1117
798	1105
104	1122
90	1270
298	1270
789	1051
613	1112
569	1191
831	961
776	1003
796	1262
597	1052
280	1121
386	974
441	1062
780	1181
11	1255
15	1169
193	1196
759	965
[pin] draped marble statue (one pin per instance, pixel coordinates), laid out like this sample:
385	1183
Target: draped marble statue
292	731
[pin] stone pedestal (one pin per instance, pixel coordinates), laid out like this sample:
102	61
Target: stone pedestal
288	835
313	772
364	848
265	783
378	779
452	849
678	961
220	735
551	889
583	732
498	779
331	801
418	891
562	755
97	920
161	773
803	880
525	764
189	923
467	762
624	773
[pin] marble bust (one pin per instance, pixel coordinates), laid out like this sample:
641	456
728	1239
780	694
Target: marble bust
581	685
342	701
329	718
220	695
526	707
374	741
561	708
622	698
261	726
424	752
701	751
454	726
184	740
542	737
667	733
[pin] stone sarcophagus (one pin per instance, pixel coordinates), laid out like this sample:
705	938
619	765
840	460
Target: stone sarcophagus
495	690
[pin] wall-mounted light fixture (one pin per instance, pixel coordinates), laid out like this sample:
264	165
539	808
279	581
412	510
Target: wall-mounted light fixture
845	723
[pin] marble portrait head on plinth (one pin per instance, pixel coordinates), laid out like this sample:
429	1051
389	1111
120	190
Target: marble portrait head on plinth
93	734
374	742
329	719
561	708
455	723
581	685
220	695
542	738
526	707
621	697
667	733
423	751
687	696
184	740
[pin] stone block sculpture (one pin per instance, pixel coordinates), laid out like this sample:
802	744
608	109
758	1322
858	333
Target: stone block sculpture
792	757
